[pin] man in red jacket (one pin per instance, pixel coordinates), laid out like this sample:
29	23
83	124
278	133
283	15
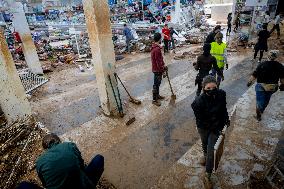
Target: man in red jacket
167	37
158	68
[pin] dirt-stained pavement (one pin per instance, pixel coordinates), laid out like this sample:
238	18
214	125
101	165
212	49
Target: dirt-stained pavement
138	155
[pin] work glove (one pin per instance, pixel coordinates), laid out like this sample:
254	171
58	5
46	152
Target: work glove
227	66
281	87
249	83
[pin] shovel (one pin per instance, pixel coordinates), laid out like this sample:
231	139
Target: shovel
173	97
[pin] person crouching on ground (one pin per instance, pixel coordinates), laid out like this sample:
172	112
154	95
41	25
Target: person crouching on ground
62	166
211	116
158	68
267	74
204	64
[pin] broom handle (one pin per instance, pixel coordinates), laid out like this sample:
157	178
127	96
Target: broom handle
169	82
122	85
118	107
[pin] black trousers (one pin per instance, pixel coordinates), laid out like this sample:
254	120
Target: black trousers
229	28
166	45
277	28
256	52
208	140
157	82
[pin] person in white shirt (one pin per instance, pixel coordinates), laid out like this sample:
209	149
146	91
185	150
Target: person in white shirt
266	18
276	26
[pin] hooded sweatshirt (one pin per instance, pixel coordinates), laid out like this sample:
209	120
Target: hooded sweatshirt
158	64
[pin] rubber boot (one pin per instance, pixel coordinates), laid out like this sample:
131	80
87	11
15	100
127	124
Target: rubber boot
155	98
207	181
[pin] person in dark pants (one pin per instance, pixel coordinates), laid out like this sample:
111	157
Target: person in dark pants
229	23
167	37
211	116
211	36
172	32
237	22
276	26
204	64
261	44
158	68
267	74
61	166
129	37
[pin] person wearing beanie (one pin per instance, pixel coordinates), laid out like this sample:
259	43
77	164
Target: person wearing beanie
261	44
219	51
211	116
204	64
267	74
211	36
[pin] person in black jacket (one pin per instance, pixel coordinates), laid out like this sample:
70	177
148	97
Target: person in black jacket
204	64
211	116
211	36
261	44
267	75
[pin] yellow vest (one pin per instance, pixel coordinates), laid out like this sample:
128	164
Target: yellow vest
218	51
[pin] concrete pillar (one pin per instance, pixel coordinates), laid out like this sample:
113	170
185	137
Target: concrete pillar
21	25
100	37
13	99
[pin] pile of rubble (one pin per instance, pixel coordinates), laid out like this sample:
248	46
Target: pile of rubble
20	145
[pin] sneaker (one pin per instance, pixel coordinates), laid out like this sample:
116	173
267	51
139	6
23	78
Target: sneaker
157	103
258	61
161	97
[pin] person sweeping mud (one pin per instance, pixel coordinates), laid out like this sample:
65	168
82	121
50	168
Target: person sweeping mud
211	116
158	68
267	74
204	64
219	51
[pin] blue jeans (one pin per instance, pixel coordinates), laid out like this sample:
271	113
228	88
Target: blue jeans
208	140
95	169
214	74
262	97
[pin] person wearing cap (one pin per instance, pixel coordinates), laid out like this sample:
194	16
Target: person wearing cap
219	51
62	166
261	44
211	36
267	74
204	64
167	37
211	116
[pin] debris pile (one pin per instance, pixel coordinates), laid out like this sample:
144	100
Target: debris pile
20	145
